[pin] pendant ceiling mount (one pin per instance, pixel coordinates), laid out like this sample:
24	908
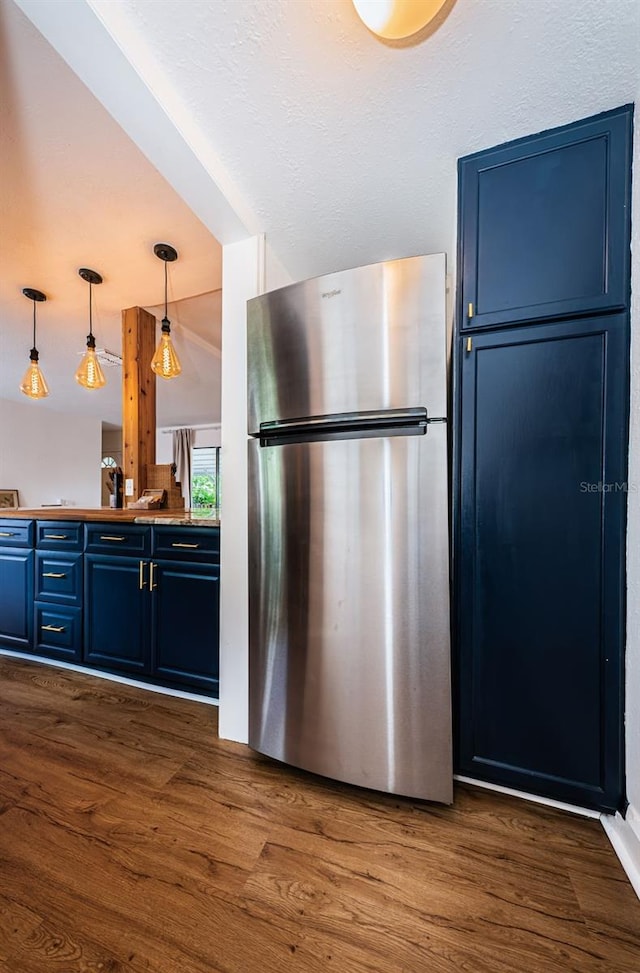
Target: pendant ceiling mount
33	295
165	252
91	276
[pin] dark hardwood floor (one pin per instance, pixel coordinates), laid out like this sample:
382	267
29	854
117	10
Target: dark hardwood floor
132	839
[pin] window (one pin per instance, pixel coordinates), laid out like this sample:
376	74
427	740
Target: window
205	476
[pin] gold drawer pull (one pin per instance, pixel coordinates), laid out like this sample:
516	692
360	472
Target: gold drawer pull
141	581
111	537
52	574
55	537
152	582
53	628
192	546
7	533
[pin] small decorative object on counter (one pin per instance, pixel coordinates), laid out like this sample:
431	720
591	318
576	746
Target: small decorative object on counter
150	500
116	478
8	499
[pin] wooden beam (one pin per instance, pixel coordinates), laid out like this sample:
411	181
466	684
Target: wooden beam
138	396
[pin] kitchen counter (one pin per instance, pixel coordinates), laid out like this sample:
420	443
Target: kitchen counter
182	518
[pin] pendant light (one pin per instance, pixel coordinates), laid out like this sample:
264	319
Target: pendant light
165	361
89	373
33	383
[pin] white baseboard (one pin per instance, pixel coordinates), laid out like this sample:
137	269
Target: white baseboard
624	835
163	690
583	812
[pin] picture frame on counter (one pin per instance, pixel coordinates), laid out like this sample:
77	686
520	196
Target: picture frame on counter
9	500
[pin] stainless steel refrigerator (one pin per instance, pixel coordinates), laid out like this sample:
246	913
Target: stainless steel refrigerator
349	653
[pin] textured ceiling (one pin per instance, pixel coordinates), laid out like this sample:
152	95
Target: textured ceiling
340	147
345	147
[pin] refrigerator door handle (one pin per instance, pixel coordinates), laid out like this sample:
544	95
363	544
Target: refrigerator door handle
389	421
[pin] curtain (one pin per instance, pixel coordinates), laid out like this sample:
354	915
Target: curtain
182	442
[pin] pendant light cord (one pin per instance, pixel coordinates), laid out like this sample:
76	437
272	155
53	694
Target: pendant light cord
90	314
34	324
165	288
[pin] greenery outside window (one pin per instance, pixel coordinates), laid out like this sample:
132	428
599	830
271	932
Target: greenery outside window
205	476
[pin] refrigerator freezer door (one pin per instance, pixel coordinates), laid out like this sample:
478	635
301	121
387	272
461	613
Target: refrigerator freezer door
349	610
367	339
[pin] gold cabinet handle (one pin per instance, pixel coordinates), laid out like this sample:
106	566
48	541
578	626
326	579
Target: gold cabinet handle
55	537
53	628
470	310
52	574
469	344
7	533
111	537
141	581
152	583
193	547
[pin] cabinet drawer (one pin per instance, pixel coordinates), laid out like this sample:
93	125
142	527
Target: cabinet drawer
59	578
115	539
187	543
16	533
62	535
58	631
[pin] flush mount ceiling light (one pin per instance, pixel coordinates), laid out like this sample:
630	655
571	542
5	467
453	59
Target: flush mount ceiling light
396	19
165	361
33	383
89	374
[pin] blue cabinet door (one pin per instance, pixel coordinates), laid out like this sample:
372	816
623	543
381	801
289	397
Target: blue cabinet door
16	598
117	614
541	559
185	608
544	224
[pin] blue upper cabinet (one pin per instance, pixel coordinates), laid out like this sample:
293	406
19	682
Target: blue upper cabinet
545	224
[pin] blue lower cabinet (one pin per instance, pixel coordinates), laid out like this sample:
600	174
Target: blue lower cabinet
116	614
153	620
16	598
58	632
185	613
118	606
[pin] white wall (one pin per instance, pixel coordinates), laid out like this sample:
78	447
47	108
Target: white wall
633	534
242	278
625	834
49	456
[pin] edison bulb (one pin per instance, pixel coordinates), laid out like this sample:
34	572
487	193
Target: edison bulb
165	362
89	373
33	383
